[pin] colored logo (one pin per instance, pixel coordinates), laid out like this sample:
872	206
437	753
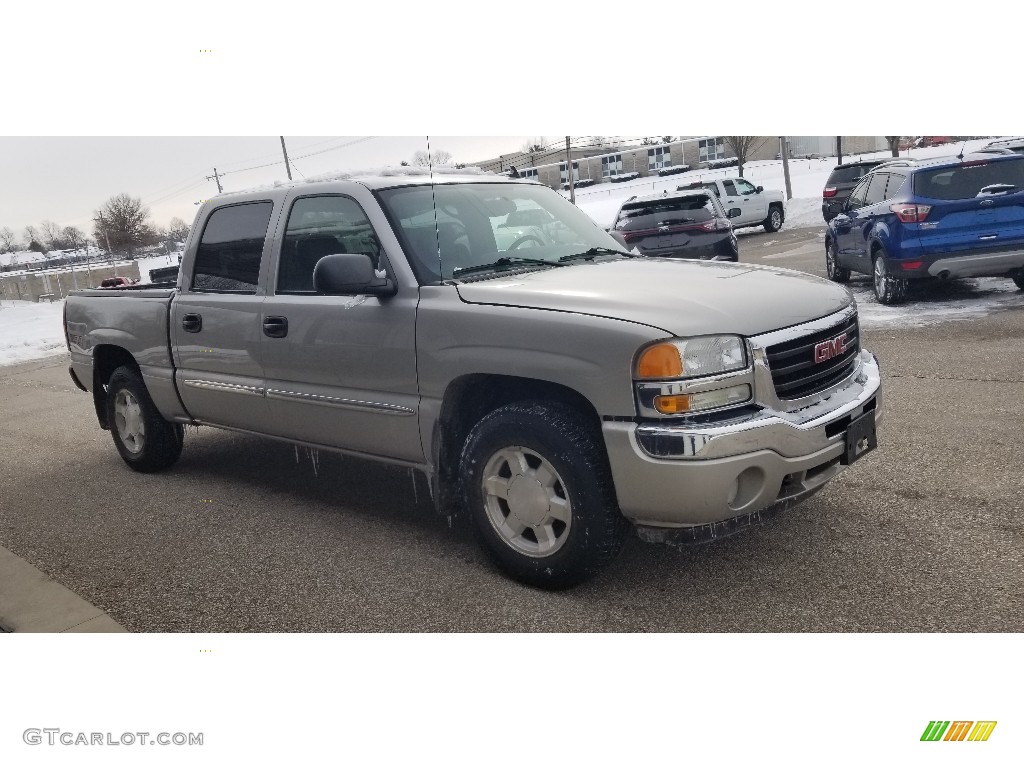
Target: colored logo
958	730
826	350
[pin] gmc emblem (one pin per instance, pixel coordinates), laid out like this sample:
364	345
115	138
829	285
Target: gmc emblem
826	350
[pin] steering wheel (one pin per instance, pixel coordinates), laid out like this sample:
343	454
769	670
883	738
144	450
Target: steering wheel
525	239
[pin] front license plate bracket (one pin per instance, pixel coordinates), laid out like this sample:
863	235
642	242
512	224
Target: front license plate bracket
861	437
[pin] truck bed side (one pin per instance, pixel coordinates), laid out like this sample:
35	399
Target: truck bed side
110	328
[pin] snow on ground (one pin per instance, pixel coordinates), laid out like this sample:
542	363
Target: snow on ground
937	302
29	331
807	178
155	262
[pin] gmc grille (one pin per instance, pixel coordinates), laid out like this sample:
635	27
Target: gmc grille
794	370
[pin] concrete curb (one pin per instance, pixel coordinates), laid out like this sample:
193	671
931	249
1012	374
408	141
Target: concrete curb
30	601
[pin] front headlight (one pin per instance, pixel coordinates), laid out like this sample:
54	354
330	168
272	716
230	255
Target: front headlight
689	358
684	376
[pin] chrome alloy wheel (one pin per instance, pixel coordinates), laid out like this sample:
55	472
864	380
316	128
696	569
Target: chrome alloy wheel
131	429
526	501
880	276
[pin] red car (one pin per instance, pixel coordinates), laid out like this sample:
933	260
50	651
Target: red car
116	282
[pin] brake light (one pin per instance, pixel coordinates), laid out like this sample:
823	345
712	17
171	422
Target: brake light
717	224
972	163
909	213
912	264
829	191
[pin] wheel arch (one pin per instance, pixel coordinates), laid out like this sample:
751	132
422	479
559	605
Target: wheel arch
107	358
470	397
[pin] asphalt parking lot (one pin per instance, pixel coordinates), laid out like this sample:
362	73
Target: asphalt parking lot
246	534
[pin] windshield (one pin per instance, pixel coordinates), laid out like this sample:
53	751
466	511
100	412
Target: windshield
449	228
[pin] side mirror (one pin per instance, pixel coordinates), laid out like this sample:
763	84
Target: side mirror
619	238
350	274
734	212
759	190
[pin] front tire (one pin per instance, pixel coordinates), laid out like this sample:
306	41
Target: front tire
774	221
146	441
536	484
1019	281
888	289
836	273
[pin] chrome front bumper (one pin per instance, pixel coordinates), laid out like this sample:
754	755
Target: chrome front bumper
699	474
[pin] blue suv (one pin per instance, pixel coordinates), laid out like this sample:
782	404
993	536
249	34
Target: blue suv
942	218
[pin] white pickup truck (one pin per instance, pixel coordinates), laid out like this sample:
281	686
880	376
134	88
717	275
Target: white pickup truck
759	207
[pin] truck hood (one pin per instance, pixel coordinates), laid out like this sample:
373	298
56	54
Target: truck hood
683	298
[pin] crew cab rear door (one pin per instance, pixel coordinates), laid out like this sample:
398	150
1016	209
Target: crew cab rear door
340	370
975	206
216	318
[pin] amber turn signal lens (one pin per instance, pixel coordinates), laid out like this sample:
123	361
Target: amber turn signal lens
672	404
661	361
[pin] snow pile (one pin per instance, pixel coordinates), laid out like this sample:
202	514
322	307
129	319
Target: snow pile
30	331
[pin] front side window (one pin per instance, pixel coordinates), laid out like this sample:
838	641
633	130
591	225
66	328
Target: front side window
611	165
658	158
230	251
318	227
711	149
745	187
858	195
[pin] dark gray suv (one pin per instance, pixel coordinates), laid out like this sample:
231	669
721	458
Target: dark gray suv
841	182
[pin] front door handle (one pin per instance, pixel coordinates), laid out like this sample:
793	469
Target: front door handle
192	323
275	327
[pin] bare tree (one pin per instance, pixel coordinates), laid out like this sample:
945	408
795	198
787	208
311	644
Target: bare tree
73	237
6	240
51	233
178	230
123	221
435	157
667	139
31	234
894	145
536	144
742	147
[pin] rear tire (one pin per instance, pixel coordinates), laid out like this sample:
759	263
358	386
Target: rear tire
775	218
835	273
535	482
888	289
1019	281
146	441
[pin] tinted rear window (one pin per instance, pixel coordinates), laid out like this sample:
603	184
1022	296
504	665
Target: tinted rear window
848	175
231	249
663	213
966	181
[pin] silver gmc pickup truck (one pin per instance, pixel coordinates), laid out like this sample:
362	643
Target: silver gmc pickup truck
556	390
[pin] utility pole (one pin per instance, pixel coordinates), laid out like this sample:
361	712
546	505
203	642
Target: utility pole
785	167
568	165
839	149
217	177
287	165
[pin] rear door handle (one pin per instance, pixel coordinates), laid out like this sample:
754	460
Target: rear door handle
192	323
275	327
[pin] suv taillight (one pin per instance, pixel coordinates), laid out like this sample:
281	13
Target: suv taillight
829	192
717	224
909	213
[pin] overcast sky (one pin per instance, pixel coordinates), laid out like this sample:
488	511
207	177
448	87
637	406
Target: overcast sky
65	179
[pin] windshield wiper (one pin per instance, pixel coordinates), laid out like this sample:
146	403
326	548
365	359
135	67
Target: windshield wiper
592	252
505	261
